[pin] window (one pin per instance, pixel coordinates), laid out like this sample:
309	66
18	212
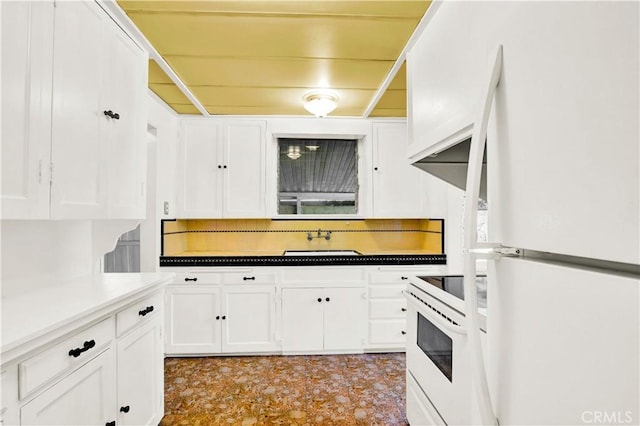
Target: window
317	176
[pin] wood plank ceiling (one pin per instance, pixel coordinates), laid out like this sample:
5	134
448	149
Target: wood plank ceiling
261	57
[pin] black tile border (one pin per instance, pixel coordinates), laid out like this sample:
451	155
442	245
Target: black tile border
428	259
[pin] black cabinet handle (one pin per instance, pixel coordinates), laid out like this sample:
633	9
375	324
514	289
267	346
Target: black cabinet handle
403	309
218	317
219	166
191	279
145	311
108	113
327	299
375	168
124	409
113	423
224	317
403	332
116	116
85	347
319	299
248	278
404	278
112	114
224	167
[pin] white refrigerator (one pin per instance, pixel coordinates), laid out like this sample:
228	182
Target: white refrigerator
557	109
560	114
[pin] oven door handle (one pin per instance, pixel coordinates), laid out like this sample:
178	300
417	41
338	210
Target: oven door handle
434	316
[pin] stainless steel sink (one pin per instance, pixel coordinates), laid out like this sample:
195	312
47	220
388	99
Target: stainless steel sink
321	253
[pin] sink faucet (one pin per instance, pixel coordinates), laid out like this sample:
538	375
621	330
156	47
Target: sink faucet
326	236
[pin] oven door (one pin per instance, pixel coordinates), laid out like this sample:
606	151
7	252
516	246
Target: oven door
438	355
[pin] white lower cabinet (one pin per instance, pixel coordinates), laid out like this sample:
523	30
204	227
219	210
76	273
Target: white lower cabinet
92	375
191	324
86	396
323	319
140	376
203	319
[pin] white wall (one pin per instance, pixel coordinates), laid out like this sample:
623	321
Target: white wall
161	179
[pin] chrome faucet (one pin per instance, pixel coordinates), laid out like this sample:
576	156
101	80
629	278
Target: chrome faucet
326	236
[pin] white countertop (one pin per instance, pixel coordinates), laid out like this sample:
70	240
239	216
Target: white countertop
34	314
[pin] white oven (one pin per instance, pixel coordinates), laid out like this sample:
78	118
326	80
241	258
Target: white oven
438	362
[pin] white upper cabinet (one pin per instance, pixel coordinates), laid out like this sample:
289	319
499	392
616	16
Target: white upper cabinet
27	49
76	90
244	182
221	167
444	71
398	187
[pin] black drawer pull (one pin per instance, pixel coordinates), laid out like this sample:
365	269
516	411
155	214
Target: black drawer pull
116	116
191	279
319	299
124	409
403	309
404	278
217	317
403	332
85	347
145	311
224	317
248	278
327	299
113	423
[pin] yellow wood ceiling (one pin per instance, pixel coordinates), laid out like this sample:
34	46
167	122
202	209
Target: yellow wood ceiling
261	57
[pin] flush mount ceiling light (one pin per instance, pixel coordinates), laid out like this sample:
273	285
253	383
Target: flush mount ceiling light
320	103
294	152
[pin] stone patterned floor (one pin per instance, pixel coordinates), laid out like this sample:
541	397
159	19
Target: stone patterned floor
286	390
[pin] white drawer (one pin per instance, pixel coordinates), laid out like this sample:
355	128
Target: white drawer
387	332
323	275
386	292
69	353
387	309
149	307
249	278
198	278
390	277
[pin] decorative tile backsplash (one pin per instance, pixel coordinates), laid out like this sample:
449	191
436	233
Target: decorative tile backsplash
268	237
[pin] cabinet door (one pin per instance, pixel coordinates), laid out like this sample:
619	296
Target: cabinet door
398	187
125	137
302	327
140	376
27	60
344	318
86	396
79	177
191	325
244	183
201	170
250	319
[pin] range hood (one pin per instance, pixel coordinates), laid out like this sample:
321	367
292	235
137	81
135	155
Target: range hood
451	166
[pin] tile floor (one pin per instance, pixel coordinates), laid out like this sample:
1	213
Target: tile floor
327	390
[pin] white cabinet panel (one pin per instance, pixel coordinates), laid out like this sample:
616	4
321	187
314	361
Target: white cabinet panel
302	319
222	165
124	91
317	319
344	314
79	188
85	397
244	192
27	50
200	170
250	323
191	320
398	187
140	376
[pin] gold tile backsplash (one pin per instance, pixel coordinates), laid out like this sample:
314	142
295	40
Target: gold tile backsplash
255	237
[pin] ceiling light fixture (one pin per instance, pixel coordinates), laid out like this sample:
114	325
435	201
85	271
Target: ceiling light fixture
294	152
320	103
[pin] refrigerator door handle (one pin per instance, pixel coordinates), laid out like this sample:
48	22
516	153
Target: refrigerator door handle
493	251
470	243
